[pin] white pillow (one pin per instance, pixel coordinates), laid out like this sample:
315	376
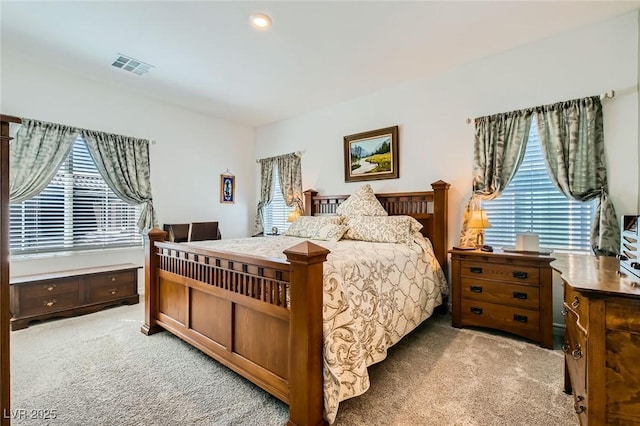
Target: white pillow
363	202
308	226
382	229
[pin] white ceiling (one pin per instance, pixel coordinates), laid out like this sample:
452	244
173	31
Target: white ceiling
209	59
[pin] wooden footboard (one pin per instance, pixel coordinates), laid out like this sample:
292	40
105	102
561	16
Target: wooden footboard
242	311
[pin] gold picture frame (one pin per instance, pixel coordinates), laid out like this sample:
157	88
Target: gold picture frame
371	155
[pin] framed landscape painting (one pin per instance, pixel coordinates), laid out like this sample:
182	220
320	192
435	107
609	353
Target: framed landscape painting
371	155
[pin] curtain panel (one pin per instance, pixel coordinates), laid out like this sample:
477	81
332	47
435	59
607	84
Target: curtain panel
500	142
36	155
290	177
266	192
289	180
124	164
572	139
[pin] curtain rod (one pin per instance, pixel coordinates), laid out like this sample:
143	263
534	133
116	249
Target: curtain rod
298	153
606	95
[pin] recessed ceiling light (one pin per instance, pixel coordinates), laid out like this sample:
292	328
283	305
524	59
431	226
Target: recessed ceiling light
260	21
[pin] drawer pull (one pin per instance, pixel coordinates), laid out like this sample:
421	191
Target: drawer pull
566	347
113	291
579	408
51	287
564	311
477	311
519	295
577	352
520	318
475	270
476	289
113	279
576	302
49	303
520	275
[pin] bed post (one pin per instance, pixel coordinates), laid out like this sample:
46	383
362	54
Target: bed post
440	206
151	281
305	334
308	201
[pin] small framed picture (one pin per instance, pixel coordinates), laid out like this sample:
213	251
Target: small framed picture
227	188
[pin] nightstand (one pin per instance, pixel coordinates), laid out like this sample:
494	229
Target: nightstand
504	291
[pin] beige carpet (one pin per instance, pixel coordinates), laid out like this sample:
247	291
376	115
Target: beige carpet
100	370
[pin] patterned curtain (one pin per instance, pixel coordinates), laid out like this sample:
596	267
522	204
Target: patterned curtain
572	139
35	156
266	193
290	179
499	147
123	162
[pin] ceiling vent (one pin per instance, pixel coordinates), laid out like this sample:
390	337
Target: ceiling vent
132	65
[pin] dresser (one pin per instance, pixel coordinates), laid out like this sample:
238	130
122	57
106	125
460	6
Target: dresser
503	291
68	293
602	339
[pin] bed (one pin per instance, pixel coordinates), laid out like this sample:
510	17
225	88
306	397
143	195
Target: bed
262	310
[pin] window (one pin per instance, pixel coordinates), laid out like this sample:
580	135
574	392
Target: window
531	202
277	212
76	211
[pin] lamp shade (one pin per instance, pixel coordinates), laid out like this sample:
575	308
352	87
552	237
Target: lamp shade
479	220
295	213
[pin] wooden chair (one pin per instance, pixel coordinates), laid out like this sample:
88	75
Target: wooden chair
200	231
177	232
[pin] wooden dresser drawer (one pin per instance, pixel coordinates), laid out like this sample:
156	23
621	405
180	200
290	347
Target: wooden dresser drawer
524	322
46	289
100	288
575	301
517	274
46	304
523	296
575	349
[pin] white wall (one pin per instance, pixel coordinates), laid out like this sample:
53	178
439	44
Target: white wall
435	141
190	152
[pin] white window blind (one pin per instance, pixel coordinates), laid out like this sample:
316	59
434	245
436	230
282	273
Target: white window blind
277	212
76	211
531	202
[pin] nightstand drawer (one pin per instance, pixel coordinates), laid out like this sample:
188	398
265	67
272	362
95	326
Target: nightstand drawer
523	322
523	296
500	272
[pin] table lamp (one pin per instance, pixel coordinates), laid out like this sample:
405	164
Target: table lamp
479	220
293	215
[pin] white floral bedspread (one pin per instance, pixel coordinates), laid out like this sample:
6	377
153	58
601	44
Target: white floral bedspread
374	294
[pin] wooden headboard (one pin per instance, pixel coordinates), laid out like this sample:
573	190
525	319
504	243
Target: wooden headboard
428	207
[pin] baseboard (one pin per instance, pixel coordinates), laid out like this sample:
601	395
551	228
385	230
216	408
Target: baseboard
558	329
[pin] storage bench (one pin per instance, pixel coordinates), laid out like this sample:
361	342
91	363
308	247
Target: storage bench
70	293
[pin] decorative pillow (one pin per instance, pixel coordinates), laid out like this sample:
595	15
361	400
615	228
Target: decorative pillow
330	232
363	202
381	229
415	225
307	226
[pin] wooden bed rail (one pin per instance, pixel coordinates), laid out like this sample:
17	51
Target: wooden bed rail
253	297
